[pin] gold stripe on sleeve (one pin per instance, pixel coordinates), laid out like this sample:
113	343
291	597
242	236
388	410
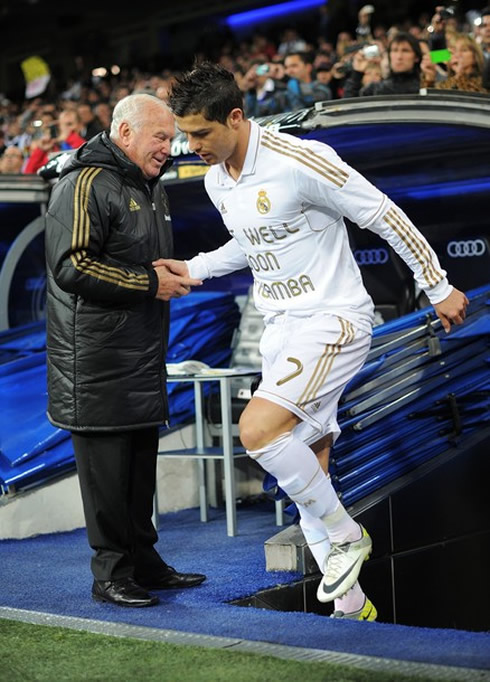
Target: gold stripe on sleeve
307	153
81	240
89	267
112	270
79	208
298	157
438	276
322	161
415	245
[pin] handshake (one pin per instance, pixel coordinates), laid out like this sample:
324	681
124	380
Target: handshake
173	279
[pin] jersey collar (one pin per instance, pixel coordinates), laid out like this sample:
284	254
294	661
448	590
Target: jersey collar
250	157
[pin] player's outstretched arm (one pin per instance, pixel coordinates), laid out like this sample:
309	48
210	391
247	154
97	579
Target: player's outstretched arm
452	310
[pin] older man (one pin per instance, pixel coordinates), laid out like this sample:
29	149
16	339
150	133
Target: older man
108	316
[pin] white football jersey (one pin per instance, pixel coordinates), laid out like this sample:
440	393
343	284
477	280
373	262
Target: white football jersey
285	214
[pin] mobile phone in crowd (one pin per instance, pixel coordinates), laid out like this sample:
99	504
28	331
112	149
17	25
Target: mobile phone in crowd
440	56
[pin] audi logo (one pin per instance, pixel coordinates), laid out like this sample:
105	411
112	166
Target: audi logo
466	249
371	256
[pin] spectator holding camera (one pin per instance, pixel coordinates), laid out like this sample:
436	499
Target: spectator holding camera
64	135
443	19
466	68
264	91
302	89
404	58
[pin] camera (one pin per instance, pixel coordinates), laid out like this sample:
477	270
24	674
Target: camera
370	51
53	130
38	133
343	69
446	13
262	69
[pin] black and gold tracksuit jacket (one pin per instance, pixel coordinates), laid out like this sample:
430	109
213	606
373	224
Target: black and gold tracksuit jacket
106	331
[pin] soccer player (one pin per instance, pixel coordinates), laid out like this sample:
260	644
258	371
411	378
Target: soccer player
283	201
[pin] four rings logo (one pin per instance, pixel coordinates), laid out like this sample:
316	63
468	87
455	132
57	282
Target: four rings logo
371	256
466	249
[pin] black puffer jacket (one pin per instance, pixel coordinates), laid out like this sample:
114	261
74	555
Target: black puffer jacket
106	331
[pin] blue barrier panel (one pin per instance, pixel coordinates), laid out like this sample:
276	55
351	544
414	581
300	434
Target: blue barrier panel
31	449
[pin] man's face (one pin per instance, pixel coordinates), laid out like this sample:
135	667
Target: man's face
148	145
68	123
402	57
214	142
296	68
12	160
485	30
85	113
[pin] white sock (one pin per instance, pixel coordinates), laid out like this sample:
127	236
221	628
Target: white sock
340	526
316	536
353	600
298	473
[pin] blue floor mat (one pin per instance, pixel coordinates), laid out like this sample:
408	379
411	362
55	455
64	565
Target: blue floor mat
51	574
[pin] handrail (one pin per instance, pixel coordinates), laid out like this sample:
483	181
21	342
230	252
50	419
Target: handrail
23	189
430	106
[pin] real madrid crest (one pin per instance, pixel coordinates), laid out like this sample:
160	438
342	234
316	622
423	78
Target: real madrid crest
263	202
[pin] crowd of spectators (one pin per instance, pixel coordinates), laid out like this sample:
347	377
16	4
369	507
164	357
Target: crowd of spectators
290	72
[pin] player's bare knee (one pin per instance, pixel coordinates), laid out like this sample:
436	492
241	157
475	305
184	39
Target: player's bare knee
252	435
263	422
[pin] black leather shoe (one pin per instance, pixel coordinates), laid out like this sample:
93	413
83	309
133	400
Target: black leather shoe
123	592
171	579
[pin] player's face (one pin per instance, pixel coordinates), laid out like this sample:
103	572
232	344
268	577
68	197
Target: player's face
214	142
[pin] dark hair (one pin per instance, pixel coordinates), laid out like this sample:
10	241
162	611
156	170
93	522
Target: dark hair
306	57
208	89
411	40
324	66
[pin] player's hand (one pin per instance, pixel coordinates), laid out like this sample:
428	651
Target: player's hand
178	267
452	310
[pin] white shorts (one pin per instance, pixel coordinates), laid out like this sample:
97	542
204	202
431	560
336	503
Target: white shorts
306	364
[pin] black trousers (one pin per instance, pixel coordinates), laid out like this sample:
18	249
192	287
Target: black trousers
117	474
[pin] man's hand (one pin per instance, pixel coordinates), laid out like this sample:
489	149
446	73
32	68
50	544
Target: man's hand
429	70
170	283
452	310
360	62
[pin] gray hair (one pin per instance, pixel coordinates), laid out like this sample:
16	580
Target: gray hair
131	109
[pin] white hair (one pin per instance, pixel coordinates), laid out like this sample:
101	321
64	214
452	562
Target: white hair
132	110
